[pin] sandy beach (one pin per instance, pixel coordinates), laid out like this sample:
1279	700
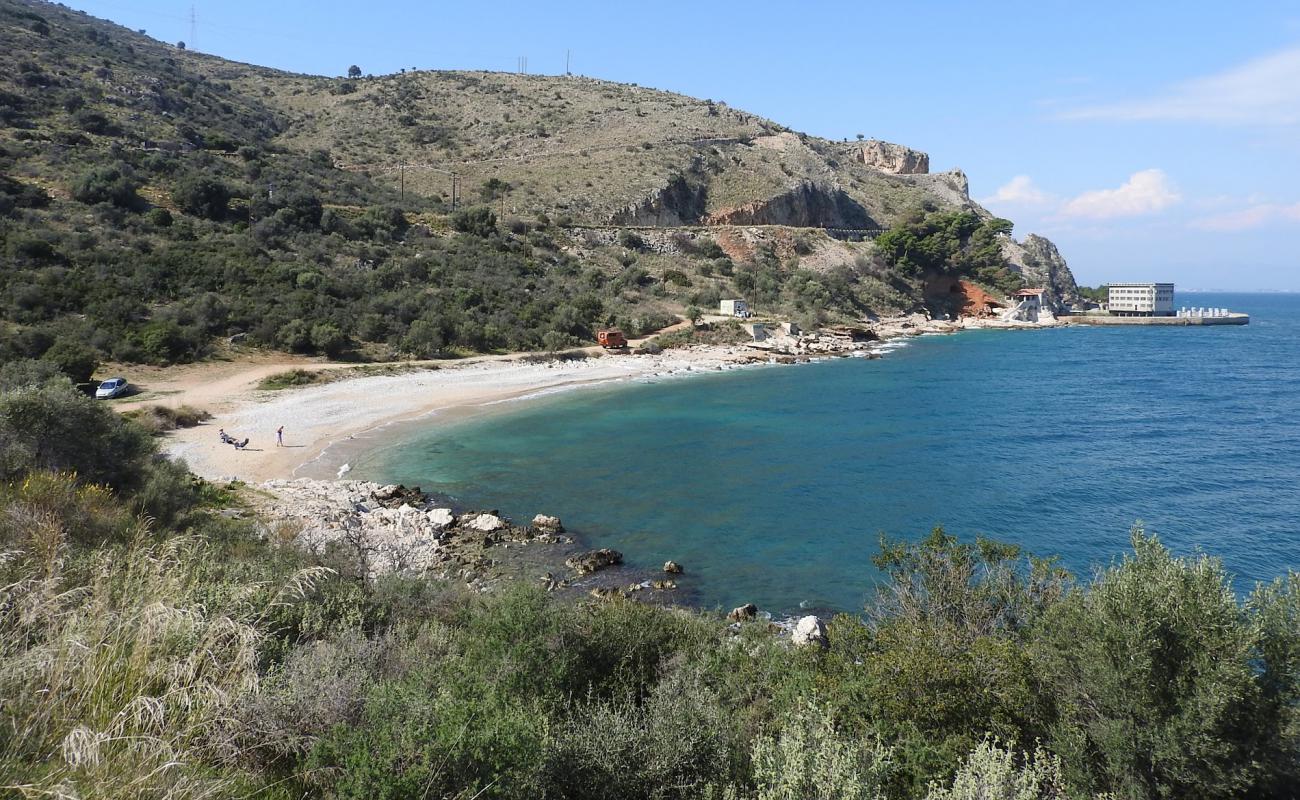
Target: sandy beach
318	417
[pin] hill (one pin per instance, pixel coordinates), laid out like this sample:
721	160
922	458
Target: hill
153	198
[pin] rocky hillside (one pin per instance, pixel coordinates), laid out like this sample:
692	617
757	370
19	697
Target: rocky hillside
153	197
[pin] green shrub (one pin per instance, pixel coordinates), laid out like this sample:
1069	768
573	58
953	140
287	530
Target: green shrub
203	196
1153	671
810	760
75	359
286	380
115	185
670	746
478	221
993	772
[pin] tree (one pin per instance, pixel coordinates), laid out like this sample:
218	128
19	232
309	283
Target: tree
354	71
180	45
693	315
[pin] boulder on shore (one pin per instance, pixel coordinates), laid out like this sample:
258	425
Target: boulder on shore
743	613
548	523
593	560
397	495
672	568
485	522
440	517
810	630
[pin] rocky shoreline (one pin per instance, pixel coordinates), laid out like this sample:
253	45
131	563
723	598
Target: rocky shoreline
368	530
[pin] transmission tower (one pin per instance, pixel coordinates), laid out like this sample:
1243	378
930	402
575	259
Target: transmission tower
194	27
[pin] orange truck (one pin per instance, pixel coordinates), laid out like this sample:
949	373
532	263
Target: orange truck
611	339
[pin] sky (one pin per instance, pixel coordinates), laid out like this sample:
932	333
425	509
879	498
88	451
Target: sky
1149	140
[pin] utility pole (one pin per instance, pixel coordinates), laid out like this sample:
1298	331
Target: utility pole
194	28
403	174
567	71
453	191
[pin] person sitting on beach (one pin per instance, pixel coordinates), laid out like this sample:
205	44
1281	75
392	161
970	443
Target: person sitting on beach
240	445
225	437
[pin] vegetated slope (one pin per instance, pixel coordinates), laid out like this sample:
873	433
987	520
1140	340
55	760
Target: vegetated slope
153	198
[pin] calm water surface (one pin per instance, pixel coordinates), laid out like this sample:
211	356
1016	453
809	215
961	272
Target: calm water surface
773	485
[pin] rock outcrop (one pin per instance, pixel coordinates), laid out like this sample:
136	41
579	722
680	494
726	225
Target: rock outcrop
808	204
1042	265
594	560
672	568
810	630
893	158
679	202
743	613
376	530
551	524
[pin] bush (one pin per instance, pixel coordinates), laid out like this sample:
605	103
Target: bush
202	196
809	760
673	745
478	221
328	339
53	427
993	772
73	358
160	419
1154	675
115	185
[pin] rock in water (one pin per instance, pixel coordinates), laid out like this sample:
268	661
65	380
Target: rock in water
742	613
672	568
548	523
483	522
586	563
810	630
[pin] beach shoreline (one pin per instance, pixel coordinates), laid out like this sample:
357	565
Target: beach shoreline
327	425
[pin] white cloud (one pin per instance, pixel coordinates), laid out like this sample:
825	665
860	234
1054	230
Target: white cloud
1020	191
1264	91
1256	216
1145	192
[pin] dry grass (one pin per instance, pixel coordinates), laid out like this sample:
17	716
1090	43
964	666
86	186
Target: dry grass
117	682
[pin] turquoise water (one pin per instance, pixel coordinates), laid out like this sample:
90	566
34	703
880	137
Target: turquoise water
772	485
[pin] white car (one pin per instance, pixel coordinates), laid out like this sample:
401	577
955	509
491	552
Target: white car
113	387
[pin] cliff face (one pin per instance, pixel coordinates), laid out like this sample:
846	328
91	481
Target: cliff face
894	158
1042	265
807	205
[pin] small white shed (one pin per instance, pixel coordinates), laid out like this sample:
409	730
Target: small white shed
734	308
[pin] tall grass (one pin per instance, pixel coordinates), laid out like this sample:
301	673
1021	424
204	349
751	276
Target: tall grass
114	682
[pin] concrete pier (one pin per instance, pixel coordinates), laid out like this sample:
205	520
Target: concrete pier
1232	318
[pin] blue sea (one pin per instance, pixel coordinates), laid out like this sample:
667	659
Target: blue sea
774	485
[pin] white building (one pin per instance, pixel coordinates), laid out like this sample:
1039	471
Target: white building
734	308
1141	299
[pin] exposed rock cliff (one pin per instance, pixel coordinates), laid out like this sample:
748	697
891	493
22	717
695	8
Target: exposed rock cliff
807	205
1042	265
894	158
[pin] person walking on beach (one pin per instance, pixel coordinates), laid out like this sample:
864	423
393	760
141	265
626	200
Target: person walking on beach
279	436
